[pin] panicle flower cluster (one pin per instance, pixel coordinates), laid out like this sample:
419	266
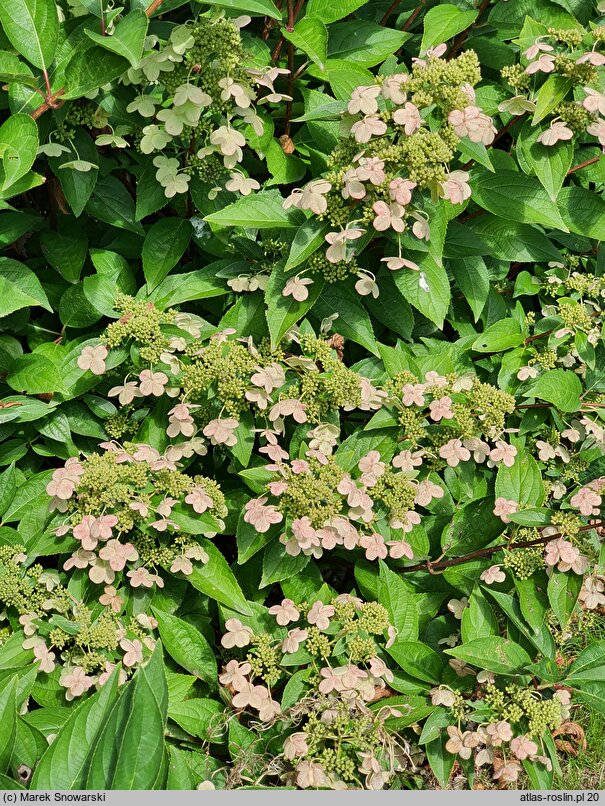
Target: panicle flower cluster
577	322
454	417
122	510
404	132
196	101
570	55
79	642
333	739
503	726
216	380
323	507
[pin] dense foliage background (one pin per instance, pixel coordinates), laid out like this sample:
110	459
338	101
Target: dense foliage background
302	393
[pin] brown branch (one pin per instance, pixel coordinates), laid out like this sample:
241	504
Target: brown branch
49	103
468	217
390	10
431	567
412	18
52	98
293	12
463	35
584	164
290	90
153	7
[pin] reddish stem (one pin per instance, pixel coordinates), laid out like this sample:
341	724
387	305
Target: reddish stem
412	18
463	35
389	11
51	98
432	567
153	7
584	164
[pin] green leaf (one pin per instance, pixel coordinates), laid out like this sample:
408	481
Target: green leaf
263	210
18	146
32	26
28	182
114	205
90	68
473	526
163	247
515	197
332	10
65	251
522	482
285	169
360	443
187	646
493	653
201	717
478	619
77	186
418	660
278	566
130	752
342	77
8	487
400	603
428	290
19	287
534	516
551	93
589	660
217	580
549	163
502	335
150	194
65	763
587	676
472	278
180	775
244	433
538	634
128	38
353	321
440	759
263	8
8	720
311	36
249	541
583	211
364	43
309	237
442	23
283	312
563	589
511	241
561	387
13	69
533	602
34	374
176	288
187	521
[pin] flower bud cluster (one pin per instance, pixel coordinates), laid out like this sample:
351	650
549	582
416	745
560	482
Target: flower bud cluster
332	738
510	732
322	507
575	57
405	129
79	640
122	508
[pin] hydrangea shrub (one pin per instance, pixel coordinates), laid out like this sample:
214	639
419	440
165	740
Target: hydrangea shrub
302	392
